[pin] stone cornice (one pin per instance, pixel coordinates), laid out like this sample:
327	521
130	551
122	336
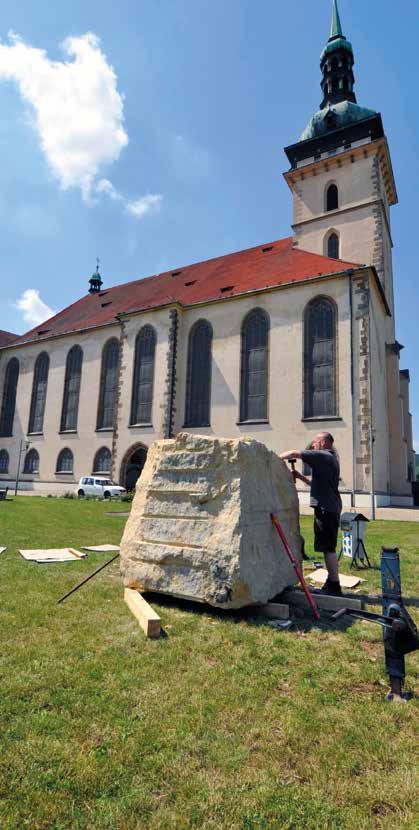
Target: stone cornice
378	147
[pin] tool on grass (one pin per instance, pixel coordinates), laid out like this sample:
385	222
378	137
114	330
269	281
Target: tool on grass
83	582
296	566
400	634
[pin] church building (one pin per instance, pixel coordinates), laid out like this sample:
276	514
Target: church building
277	342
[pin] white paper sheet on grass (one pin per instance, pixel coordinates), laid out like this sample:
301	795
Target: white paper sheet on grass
102	548
320	575
52	555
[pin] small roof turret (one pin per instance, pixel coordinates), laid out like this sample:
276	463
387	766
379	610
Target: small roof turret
95	281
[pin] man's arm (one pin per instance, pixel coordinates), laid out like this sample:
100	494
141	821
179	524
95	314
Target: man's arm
290	454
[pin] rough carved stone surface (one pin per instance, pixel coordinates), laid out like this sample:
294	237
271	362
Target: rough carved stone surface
200	525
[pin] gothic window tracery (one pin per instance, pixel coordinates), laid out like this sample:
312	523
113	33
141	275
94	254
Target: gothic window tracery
9	397
198	381
39	394
142	394
254	367
108	385
65	461
71	395
320	394
31	464
102	462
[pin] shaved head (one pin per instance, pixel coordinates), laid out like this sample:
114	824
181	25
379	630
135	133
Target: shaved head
323	441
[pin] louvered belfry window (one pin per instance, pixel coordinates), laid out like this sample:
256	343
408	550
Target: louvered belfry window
320	359
71	389
142	393
254	367
4	461
39	394
333	246
9	397
31	464
332	199
102	462
198	380
65	461
108	385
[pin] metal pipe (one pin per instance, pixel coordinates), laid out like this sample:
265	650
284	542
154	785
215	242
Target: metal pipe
83	582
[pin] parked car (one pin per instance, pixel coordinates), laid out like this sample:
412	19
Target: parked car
99	487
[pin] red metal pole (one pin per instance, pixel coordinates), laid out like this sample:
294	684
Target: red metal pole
296	566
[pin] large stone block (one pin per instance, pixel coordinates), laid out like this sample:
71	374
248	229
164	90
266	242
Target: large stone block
200	525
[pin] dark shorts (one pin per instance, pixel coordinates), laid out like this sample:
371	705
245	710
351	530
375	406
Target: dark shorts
326	527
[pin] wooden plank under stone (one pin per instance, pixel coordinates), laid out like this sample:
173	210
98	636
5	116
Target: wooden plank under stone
293	596
148	619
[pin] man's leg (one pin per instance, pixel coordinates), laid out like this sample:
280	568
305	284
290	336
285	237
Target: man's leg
332	566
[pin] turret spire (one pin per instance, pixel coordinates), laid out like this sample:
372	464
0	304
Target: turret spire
336	27
336	64
95	281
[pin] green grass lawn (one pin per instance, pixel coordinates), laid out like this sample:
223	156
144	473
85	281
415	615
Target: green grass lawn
223	724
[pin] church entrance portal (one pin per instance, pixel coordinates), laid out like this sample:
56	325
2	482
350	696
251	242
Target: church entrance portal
132	466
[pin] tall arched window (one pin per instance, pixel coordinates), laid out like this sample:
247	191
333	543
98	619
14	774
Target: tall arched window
198	381
332	197
102	462
71	389
254	367
4	461
39	393
31	464
333	246
320	398
142	392
108	385
9	397
65	461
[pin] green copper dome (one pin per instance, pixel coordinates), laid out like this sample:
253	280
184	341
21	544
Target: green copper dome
334	117
336	43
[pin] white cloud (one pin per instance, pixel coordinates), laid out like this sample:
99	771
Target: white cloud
416	445
76	109
140	207
136	207
33	308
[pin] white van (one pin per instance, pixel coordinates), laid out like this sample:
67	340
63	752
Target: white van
98	487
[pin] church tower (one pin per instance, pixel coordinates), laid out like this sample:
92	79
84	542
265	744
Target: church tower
341	175
343	187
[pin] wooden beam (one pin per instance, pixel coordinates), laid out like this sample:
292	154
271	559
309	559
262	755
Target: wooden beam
274	611
148	619
295	597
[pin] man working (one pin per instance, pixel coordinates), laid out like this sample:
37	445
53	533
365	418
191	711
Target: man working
325	498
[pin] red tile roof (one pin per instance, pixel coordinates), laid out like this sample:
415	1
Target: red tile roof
273	264
6	337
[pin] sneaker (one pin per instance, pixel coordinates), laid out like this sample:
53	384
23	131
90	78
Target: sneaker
332	589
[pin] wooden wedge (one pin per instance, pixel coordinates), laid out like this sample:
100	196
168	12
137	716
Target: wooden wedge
148	619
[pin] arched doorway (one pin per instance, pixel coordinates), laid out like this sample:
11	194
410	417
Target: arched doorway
132	465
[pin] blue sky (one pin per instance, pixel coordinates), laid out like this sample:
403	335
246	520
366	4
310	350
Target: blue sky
203	96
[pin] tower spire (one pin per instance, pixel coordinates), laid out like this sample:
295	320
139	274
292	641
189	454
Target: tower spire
336	64
336	27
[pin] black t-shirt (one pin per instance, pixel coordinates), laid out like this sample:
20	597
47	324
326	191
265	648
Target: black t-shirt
325	481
